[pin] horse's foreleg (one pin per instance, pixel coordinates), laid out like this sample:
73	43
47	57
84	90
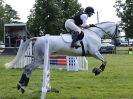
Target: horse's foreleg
97	71
102	67
24	80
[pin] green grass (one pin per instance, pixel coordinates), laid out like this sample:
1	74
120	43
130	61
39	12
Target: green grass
116	82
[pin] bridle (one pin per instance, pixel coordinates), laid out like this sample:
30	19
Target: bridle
112	36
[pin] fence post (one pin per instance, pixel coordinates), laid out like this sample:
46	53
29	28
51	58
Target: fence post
46	69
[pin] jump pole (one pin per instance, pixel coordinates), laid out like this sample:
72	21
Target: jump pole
46	69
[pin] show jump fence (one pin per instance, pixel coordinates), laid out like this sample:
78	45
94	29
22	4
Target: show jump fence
71	63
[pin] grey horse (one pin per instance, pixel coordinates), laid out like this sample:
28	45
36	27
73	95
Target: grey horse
91	41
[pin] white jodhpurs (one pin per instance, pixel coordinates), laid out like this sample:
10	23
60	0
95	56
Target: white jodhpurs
70	25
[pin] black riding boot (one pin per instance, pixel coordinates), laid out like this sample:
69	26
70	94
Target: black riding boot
74	38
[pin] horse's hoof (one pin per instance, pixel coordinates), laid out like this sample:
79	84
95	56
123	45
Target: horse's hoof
97	71
22	90
94	70
18	86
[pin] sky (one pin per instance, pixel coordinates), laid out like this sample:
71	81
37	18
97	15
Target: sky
22	7
104	8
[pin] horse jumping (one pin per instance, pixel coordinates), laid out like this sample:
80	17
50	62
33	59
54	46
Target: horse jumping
91	41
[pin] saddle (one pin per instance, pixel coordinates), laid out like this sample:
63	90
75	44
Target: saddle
68	38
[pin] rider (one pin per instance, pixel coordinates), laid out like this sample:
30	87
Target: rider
76	23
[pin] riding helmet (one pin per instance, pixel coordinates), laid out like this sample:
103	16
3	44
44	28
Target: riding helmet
89	10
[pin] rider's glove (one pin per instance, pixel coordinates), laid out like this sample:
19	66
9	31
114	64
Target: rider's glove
92	25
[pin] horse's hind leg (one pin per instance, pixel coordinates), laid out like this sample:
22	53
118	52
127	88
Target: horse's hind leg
24	80
104	62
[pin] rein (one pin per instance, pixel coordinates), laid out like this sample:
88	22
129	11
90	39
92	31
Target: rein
112	37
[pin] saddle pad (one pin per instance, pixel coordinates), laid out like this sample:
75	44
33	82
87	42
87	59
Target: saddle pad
66	37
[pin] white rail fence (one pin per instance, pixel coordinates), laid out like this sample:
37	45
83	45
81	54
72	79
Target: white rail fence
72	63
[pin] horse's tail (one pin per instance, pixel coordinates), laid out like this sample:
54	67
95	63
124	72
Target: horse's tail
20	54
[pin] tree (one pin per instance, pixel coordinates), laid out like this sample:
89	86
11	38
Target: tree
48	16
10	14
125	12
1	19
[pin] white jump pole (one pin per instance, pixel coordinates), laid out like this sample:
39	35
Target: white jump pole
46	69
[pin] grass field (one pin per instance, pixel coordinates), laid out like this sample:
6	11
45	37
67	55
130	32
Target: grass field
116	82
122	50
